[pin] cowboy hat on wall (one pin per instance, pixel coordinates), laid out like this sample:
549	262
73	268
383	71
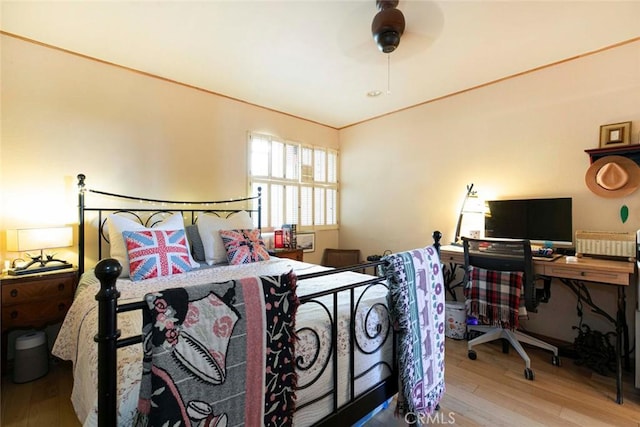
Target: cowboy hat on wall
613	176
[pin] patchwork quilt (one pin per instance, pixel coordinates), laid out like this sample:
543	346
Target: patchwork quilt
416	292
220	354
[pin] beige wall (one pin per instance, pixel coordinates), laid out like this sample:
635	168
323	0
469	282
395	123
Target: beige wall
522	137
402	176
129	133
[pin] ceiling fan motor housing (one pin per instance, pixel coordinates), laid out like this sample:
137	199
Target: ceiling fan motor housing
387	26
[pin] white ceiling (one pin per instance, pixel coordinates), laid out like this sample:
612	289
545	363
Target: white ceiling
316	59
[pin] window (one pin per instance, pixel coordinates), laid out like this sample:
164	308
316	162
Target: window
299	182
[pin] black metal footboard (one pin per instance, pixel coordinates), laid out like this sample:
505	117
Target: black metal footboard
359	405
109	340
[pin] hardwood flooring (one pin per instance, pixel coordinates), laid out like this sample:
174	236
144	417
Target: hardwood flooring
492	391
43	402
489	391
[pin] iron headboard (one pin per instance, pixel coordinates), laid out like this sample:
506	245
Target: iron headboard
188	209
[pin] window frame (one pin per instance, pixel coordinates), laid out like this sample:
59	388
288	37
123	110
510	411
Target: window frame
291	182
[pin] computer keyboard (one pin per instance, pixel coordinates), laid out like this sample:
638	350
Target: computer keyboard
545	254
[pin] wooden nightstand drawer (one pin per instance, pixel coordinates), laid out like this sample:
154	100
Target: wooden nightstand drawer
296	254
18	291
36	300
35	313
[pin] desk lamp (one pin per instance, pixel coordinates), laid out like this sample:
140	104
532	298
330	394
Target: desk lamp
462	212
31	239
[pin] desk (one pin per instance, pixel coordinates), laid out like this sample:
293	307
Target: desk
574	274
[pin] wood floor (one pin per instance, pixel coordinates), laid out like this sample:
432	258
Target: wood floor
43	402
491	391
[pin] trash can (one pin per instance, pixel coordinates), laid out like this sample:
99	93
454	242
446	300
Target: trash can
31	359
456	326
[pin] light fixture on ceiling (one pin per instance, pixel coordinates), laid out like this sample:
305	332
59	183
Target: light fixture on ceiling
387	26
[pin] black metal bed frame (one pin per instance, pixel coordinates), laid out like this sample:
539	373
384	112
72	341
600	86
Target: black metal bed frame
109	337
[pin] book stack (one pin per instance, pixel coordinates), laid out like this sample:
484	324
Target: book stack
289	236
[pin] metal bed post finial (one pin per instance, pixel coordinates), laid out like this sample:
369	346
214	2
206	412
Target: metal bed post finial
437	235
81	178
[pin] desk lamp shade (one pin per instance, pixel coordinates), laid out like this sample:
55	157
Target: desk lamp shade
32	239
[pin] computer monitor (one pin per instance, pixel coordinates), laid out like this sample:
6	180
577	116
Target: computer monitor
543	221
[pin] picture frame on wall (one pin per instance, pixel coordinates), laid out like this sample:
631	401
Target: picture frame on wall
306	242
615	135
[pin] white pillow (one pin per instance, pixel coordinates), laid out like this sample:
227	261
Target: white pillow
209	227
118	249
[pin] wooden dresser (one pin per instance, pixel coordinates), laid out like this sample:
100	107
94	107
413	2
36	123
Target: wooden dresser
35	301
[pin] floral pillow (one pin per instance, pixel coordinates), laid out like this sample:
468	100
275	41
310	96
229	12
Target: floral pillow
208	227
244	246
156	253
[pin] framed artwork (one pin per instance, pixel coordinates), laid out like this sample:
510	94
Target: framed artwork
614	135
306	242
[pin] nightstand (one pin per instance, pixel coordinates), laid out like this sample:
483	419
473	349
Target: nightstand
296	254
35	301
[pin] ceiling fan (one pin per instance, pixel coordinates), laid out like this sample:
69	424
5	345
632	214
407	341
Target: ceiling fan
388	25
418	24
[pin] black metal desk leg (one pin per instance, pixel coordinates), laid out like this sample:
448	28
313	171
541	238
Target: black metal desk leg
449	273
622	303
620	323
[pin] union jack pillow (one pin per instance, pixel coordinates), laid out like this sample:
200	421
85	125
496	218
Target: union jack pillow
244	246
155	253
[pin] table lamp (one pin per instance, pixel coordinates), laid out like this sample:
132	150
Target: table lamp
32	239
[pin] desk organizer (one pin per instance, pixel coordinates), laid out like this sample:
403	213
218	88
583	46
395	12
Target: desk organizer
605	243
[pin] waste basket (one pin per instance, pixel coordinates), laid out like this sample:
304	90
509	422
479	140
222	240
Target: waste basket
456	325
31	359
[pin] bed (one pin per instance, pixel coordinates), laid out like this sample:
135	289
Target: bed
345	357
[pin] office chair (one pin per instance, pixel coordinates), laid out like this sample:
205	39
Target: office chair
340	257
498	280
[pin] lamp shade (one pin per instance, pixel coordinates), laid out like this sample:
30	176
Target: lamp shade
28	239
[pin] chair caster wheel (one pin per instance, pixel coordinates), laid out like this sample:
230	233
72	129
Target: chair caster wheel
528	374
555	360
472	355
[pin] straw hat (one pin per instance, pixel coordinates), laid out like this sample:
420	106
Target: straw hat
613	176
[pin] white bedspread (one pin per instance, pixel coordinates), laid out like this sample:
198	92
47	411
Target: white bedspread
75	339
